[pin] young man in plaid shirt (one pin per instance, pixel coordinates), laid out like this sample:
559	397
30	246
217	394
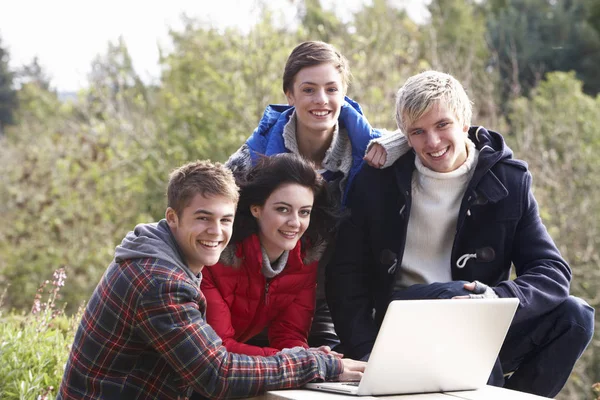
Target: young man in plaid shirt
143	334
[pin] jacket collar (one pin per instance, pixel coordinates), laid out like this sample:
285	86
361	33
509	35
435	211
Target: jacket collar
484	184
274	119
233	255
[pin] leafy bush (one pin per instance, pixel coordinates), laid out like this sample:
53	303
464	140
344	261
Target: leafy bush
34	347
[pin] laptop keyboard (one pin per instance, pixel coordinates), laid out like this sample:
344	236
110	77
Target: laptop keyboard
350	383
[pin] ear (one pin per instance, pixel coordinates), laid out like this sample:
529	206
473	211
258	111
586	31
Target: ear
255	210
171	217
466	128
290	97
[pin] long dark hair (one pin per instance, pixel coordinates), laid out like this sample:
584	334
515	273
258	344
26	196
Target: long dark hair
269	174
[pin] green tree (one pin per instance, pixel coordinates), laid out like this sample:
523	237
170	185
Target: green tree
37	101
318	23
532	37
555	131
382	46
8	98
215	86
115	83
34	73
70	183
594	15
455	42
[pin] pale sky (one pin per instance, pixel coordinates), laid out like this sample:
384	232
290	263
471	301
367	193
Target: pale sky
66	35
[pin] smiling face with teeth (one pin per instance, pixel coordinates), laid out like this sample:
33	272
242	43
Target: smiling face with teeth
439	139
283	219
202	229
318	94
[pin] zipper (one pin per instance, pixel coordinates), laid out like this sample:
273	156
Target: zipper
266	293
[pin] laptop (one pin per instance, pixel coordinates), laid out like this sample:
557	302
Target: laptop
428	346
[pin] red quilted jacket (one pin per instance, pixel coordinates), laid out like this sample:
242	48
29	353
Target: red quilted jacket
241	302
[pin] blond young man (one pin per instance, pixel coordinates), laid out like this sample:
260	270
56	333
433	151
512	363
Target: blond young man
144	335
448	220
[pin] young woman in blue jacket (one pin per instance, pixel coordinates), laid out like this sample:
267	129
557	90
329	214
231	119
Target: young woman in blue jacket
324	126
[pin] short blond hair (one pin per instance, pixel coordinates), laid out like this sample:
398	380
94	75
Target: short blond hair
200	177
423	90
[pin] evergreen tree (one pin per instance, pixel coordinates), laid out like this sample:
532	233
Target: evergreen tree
533	37
8	99
34	73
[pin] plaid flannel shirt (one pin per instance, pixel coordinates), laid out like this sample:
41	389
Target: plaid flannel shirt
143	336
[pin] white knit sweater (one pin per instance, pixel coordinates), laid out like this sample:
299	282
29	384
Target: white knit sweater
436	199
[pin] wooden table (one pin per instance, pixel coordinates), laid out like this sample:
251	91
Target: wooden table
485	393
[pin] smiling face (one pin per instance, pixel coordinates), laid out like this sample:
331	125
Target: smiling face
283	219
318	94
439	139
203	229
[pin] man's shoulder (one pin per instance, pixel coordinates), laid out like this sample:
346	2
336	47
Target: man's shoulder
373	185
148	272
515	164
510	170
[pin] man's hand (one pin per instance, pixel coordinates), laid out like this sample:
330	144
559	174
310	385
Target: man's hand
327	350
353	370
376	156
480	291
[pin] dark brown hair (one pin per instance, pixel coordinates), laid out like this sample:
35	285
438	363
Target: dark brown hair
312	53
269	174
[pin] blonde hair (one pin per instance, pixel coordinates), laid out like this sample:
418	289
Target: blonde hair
423	90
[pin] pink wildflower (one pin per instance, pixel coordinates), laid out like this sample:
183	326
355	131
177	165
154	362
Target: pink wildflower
37	306
59	277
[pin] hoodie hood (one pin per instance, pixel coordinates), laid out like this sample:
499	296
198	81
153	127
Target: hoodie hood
152	241
492	150
490	144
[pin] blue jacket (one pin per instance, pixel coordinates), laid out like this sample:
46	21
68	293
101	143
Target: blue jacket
267	138
498	220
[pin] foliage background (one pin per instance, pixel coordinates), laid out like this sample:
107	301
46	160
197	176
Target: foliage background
76	176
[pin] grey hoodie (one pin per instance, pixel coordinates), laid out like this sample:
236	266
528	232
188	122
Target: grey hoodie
153	240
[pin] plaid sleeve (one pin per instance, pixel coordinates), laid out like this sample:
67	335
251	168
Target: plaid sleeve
170	320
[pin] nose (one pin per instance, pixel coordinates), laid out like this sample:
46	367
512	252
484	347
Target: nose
432	139
293	222
320	96
214	228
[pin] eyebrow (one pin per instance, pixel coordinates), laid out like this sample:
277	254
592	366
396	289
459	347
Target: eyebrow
314	83
412	128
206	212
289	205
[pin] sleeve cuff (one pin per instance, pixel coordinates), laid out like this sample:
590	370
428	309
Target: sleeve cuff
330	367
394	144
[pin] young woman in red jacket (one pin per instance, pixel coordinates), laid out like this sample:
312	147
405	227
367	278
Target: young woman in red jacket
266	277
